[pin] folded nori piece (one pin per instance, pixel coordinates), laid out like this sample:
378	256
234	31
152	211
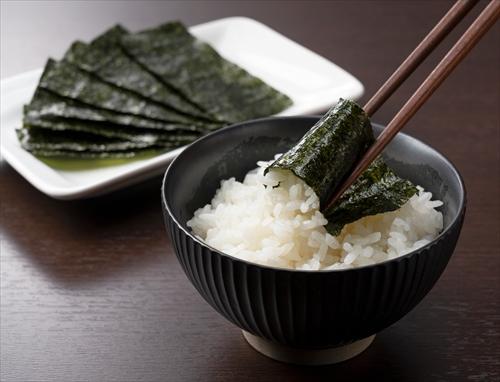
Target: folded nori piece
198	72
69	81
105	58
377	190
47	104
326	154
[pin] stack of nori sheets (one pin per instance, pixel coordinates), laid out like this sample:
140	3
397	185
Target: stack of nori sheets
125	93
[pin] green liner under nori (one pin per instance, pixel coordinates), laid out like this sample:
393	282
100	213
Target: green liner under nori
198	72
47	104
105	58
69	81
326	154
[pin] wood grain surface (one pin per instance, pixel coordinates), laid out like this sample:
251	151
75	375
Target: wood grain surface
92	291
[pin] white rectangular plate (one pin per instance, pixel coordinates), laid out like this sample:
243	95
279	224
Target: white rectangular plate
312	82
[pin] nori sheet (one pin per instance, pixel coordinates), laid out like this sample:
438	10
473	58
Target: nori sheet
47	104
68	154
326	154
36	139
69	81
111	131
198	72
105	58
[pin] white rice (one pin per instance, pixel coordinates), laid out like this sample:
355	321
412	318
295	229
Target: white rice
283	227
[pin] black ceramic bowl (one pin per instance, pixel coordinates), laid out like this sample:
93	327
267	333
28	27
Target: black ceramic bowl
304	309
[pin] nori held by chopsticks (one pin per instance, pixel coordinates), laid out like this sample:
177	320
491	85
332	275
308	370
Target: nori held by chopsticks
197	71
377	190
326	154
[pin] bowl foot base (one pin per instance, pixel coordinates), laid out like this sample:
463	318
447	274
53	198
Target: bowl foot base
307	356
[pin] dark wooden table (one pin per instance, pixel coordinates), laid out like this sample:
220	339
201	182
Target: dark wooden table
92	291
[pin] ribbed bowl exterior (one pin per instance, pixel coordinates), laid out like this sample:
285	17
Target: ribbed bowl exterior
312	309
304	309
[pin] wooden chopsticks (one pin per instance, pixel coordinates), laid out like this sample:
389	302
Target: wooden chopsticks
449	21
469	39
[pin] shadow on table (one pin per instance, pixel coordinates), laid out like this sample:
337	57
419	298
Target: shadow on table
389	358
80	241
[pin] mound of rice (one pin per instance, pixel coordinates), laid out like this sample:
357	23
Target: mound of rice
283	227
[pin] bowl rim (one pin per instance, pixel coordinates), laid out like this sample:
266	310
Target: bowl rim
460	213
